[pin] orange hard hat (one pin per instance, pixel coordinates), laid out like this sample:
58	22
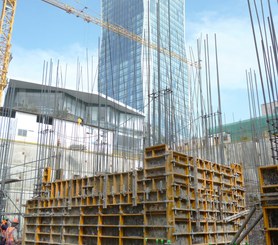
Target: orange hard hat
15	220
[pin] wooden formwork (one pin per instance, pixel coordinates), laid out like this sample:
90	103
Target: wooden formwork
269	200
175	199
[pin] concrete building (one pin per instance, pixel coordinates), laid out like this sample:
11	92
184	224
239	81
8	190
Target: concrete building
245	130
141	77
270	108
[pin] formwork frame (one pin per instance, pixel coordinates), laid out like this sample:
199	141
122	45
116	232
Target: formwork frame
175	199
268	176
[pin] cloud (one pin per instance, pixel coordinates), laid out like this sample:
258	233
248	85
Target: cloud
235	46
236	53
34	65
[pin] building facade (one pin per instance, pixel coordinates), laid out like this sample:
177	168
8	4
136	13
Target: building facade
270	108
75	133
141	77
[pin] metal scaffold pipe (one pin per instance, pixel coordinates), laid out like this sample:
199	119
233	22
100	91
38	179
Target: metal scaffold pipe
240	239
243	225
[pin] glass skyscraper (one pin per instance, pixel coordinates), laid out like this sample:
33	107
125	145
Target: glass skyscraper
139	75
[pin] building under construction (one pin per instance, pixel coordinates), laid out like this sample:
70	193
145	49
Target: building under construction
146	159
174	199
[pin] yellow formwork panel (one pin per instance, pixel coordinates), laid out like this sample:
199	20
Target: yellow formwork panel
47	175
175	199
268	176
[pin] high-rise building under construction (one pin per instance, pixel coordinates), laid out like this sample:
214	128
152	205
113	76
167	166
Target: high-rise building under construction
141	76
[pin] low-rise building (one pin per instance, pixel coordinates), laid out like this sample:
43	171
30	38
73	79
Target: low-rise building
75	133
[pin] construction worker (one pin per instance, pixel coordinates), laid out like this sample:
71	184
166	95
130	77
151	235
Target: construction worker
80	121
4	227
11	233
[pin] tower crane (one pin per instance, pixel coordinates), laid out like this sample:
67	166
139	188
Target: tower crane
119	30
6	27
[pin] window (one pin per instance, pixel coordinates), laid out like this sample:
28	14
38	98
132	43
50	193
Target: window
22	132
5	112
45	119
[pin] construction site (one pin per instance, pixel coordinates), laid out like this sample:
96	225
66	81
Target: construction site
147	157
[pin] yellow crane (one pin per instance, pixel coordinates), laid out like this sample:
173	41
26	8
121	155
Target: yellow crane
6	27
119	30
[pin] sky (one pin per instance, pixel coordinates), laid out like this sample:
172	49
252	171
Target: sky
44	34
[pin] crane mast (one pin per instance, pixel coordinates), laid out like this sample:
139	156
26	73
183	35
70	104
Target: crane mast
119	30
6	28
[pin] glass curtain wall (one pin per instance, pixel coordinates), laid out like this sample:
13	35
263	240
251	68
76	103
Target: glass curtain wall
141	77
